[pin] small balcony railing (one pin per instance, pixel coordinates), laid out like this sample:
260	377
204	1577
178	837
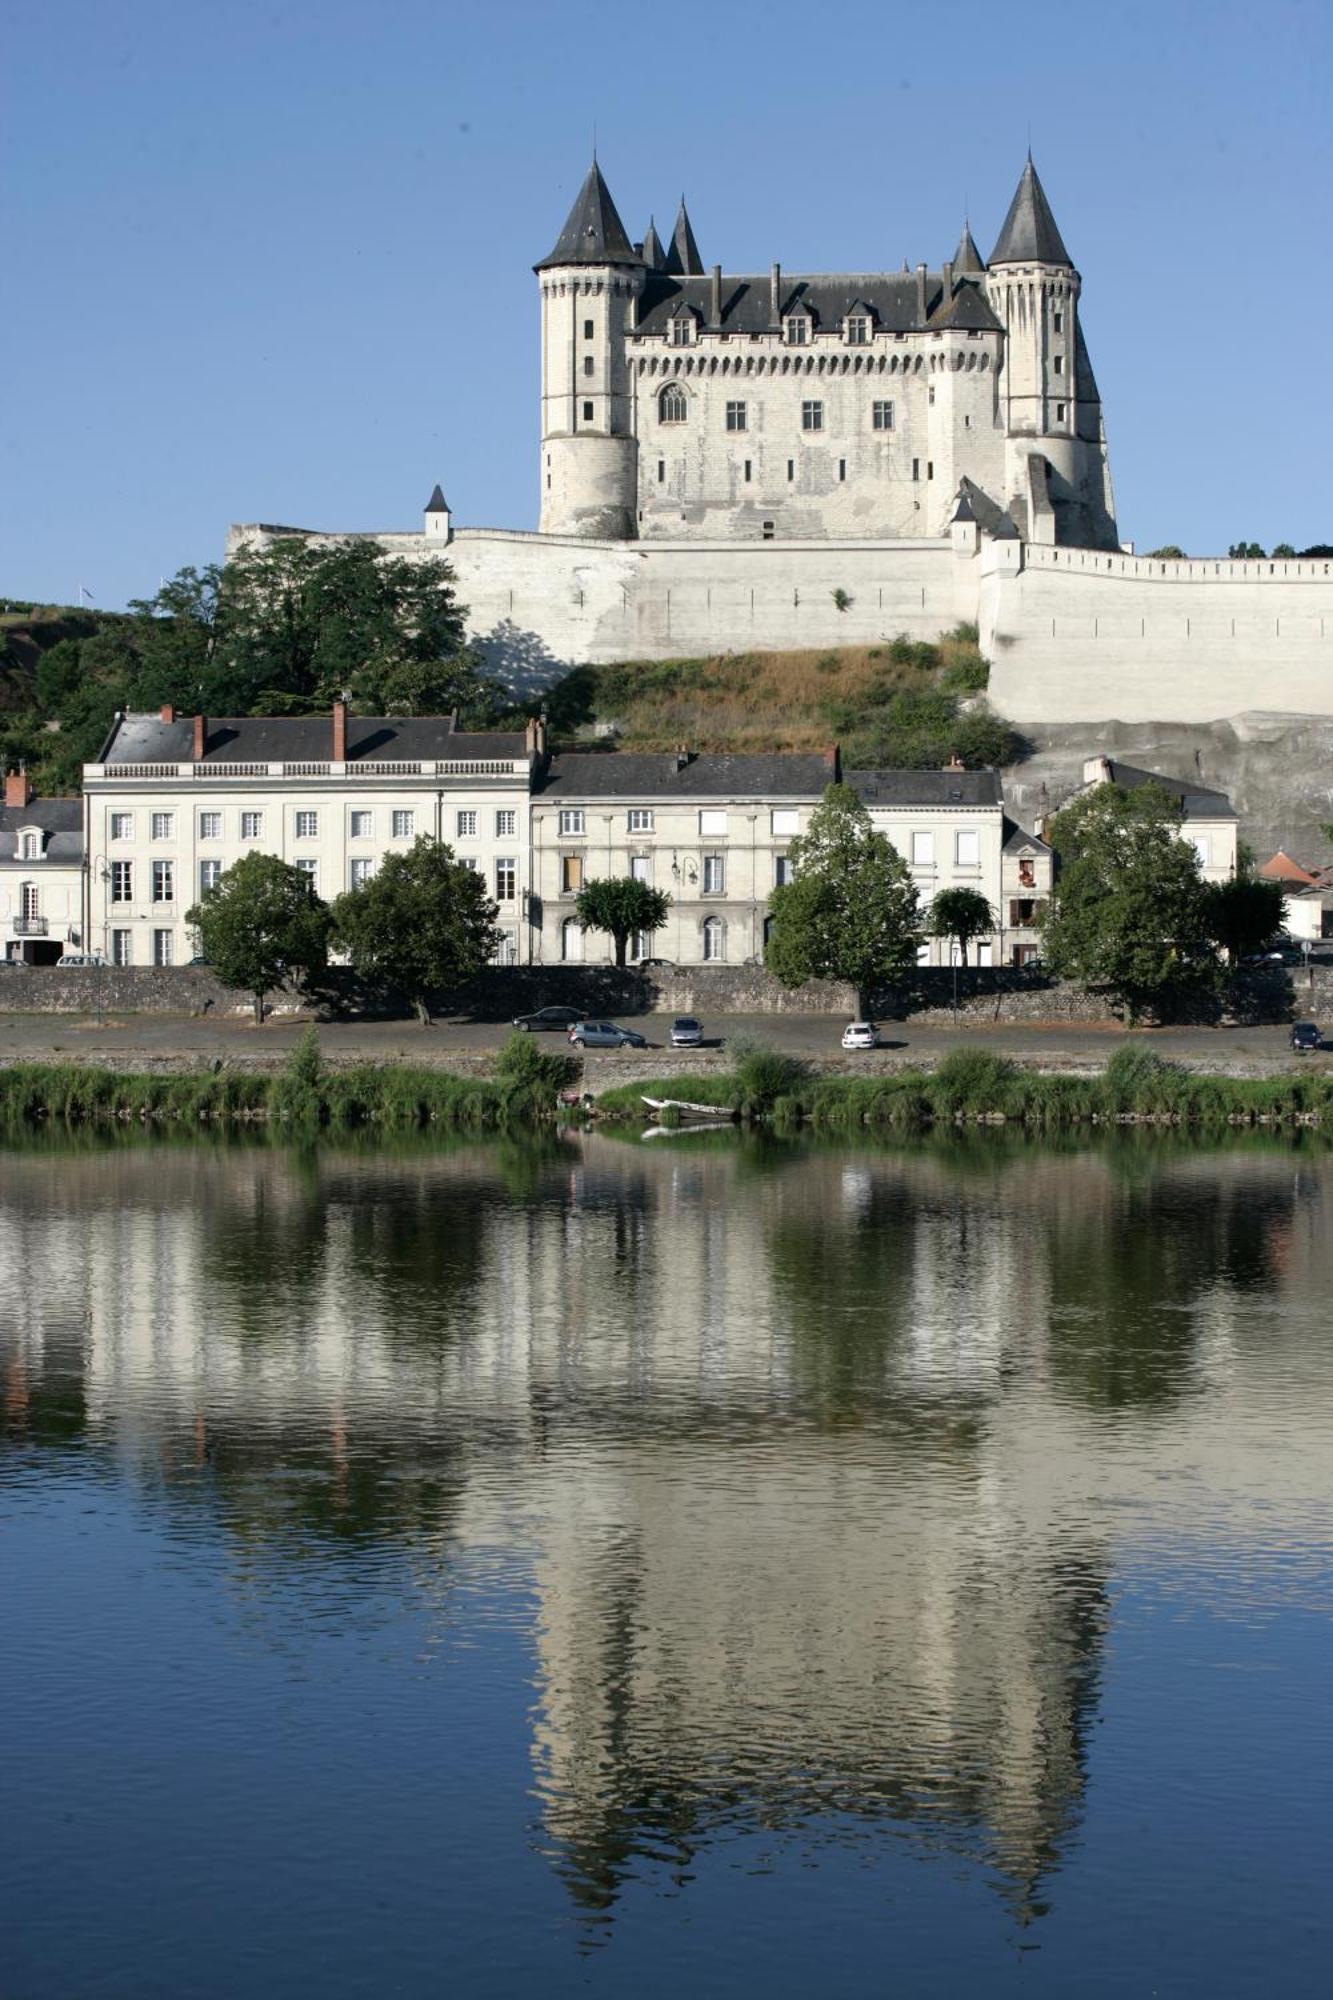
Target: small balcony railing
30	926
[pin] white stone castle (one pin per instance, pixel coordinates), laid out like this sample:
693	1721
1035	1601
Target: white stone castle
743	463
683	403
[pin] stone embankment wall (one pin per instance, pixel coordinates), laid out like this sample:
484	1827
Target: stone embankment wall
708	991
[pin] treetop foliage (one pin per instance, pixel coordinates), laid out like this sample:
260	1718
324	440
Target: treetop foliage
423	923
261	926
619	905
851	913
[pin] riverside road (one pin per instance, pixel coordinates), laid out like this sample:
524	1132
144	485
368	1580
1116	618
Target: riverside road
159	1041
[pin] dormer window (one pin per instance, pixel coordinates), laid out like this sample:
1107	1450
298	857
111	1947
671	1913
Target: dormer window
672	407
858	330
682	327
798	330
30	846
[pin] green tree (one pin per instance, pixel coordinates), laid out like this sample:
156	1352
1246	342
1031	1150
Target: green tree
421	923
961	914
1169	552
1246	552
619	905
851	911
262	925
1129	911
1283	549
1244	914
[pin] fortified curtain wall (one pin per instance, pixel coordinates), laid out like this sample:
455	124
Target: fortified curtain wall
1073	635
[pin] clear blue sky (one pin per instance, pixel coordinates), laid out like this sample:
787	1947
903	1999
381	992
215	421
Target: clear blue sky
272	261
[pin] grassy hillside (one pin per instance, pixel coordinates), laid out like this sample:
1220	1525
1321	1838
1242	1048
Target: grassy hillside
908	703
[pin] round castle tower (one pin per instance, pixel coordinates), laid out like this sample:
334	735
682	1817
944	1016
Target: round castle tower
1057	478
589	453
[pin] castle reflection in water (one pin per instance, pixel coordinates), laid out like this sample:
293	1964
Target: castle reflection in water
818	1467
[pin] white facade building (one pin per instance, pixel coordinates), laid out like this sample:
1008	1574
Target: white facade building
41	874
175	800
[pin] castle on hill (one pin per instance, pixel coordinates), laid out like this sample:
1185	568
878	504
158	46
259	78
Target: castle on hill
683	402
758	462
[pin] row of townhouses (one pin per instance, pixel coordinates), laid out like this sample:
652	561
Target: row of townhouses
174	800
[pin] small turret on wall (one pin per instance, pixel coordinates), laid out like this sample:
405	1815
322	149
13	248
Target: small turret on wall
439	522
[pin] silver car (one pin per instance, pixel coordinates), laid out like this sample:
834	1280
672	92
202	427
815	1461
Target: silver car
605	1035
686	1032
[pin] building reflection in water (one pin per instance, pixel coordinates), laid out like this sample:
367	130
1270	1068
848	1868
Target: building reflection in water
817	1461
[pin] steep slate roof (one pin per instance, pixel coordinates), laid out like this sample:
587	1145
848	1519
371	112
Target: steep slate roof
61	820
1028	234
593	232
967	258
437	504
631	774
302	739
975	504
925	788
969	307
682	257
1017	839
892	296
653	255
1195	801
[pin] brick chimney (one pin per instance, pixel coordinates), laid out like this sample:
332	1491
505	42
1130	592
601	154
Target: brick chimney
682	756
167	713
340	732
17	789
955	762
536	736
833	758
200	737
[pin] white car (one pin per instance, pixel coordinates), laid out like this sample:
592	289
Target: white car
80	958
686	1032
860	1035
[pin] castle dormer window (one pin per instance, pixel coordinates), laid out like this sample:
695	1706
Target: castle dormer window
858	330
798	330
681	327
672	407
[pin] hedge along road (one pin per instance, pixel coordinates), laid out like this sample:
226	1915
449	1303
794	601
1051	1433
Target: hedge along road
164	1040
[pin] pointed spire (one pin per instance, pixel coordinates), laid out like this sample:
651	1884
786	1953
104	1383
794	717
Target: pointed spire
683	259
653	255
437	504
593	232
967	258
1029	235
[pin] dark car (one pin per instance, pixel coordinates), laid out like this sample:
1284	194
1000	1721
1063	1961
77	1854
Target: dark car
549	1017
1305	1036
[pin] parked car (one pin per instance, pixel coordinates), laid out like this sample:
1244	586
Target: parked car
860	1035
1305	1036
605	1035
686	1032
80	958
549	1017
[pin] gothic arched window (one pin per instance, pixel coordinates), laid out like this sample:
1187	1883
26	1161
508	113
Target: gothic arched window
672	407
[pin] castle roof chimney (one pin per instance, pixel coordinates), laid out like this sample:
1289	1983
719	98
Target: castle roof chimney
17	789
775	292
340	732
921	294
715	295
200	737
948	284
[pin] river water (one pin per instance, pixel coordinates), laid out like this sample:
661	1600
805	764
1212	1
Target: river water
651	1568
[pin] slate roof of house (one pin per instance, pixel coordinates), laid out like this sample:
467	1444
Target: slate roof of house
631	774
1196	801
593	232
300	739
829	297
61	820
1028	234
1017	839
925	788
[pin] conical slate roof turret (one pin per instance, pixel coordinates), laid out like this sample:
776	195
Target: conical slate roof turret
593	232
653	255
437	504
683	259
1029	235
967	258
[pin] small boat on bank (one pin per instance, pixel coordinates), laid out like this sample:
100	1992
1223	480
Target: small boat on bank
715	1114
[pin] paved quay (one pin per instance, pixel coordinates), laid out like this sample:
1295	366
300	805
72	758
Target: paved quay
170	1042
